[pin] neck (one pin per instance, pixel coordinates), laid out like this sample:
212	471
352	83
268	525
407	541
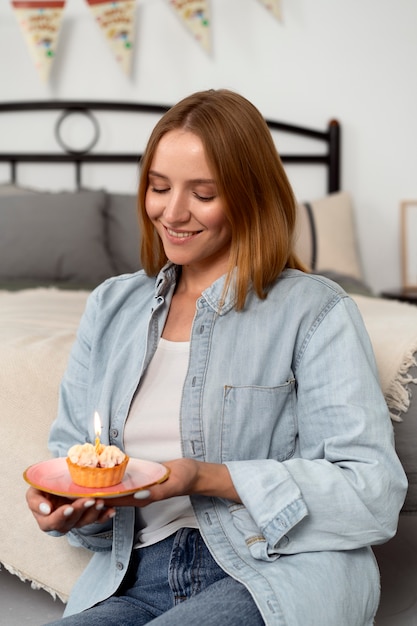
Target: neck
194	282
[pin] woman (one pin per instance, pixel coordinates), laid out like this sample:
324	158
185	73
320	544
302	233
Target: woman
252	380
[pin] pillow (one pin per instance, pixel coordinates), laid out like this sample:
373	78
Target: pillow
54	237
350	284
333	231
8	189
306	242
123	235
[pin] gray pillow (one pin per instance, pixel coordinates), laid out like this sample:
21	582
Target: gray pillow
350	284
406	444
123	235
54	237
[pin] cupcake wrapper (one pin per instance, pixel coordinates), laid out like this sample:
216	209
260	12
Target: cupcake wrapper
97	477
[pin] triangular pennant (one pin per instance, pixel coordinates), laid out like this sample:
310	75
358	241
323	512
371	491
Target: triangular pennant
40	23
116	19
274	6
196	16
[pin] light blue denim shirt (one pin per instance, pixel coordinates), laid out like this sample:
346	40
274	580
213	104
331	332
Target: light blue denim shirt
286	394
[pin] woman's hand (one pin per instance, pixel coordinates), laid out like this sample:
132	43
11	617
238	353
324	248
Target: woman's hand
60	514
186	477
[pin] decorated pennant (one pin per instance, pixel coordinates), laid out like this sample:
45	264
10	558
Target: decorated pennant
40	23
195	15
117	19
274	6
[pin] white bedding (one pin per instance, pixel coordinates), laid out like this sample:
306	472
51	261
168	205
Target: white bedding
37	328
392	327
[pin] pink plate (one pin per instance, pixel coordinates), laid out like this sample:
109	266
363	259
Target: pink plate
53	477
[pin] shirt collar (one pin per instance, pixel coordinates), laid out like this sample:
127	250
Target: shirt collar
213	295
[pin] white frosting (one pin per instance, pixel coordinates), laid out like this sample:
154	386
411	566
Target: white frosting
111	456
85	455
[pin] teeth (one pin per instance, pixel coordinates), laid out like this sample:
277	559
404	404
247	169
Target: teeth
180	235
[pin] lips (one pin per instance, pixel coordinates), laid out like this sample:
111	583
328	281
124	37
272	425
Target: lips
181	234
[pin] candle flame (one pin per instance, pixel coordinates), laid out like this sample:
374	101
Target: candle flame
97	424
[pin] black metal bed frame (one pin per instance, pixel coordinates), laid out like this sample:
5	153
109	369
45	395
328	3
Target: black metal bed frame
330	159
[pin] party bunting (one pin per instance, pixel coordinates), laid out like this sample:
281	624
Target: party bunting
117	19
274	6
40	23
195	15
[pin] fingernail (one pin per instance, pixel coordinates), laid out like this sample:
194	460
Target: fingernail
89	503
112	514
142	495
100	506
44	508
68	511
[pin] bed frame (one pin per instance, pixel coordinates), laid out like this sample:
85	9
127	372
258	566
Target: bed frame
329	138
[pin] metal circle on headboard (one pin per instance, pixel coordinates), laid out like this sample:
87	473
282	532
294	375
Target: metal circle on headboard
58	130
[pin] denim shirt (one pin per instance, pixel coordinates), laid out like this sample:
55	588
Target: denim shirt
286	394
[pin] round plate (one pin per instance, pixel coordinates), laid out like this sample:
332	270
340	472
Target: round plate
53	477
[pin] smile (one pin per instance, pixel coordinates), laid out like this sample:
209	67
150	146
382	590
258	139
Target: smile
181	234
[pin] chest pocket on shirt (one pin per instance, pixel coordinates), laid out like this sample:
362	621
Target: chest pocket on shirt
259	422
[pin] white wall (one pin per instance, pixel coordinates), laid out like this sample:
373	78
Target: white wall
350	59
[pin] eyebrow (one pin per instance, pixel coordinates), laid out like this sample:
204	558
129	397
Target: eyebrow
194	180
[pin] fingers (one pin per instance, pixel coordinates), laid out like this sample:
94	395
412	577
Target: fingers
59	514
84	512
144	494
75	515
38	501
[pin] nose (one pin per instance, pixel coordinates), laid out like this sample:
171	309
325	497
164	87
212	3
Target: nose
176	208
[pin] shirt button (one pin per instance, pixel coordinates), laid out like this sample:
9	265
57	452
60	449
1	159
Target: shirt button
113	433
119	565
201	329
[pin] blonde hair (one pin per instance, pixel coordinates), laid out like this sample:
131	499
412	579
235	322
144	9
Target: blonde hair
258	199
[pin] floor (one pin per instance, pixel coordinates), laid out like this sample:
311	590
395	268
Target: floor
20	604
397	560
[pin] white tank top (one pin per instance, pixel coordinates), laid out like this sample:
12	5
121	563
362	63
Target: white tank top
152	433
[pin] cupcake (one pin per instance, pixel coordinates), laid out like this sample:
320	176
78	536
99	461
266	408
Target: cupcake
96	466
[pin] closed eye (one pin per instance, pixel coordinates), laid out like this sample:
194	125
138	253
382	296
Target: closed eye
159	190
204	198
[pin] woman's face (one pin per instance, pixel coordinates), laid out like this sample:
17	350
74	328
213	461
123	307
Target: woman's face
183	203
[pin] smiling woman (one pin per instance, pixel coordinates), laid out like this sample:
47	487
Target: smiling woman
262	379
237	164
183	203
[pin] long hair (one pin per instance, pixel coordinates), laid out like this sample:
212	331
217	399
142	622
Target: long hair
258	199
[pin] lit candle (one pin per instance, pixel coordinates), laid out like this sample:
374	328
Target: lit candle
97	430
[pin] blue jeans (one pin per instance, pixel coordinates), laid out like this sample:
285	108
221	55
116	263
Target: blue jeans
175	582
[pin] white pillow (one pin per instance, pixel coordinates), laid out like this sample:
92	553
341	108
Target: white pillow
9	189
336	242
